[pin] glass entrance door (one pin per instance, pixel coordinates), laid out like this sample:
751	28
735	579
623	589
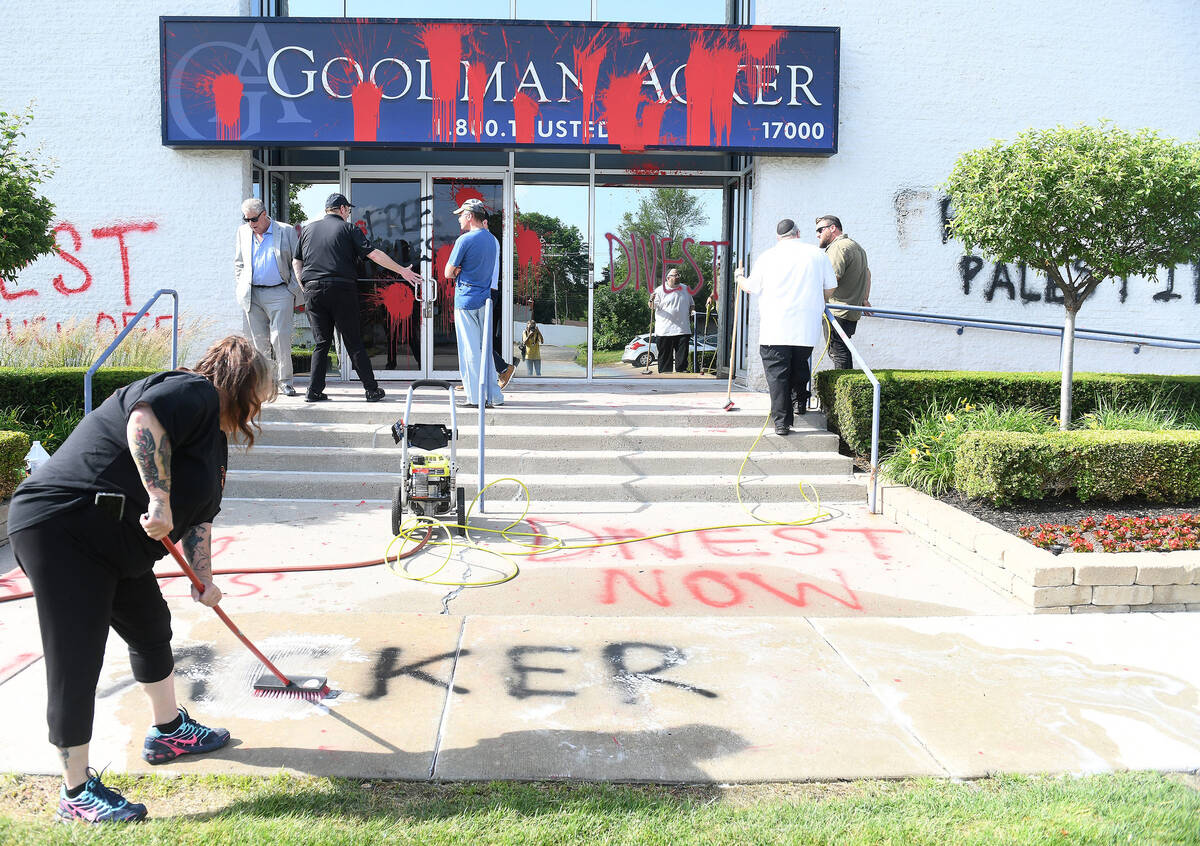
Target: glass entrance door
409	334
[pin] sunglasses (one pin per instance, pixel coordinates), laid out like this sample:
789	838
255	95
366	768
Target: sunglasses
256	217
821	229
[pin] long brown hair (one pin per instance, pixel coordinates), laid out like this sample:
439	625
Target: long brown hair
244	381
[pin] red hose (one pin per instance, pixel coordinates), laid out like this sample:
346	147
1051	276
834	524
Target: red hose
304	568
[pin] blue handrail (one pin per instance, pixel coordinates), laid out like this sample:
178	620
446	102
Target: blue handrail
87	377
484	360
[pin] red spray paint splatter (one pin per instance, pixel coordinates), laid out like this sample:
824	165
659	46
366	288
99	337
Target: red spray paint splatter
227	94
587	66
626	30
445	287
762	48
622	100
463	193
525	109
476	88
710	77
528	245
397	301
365	98
444	43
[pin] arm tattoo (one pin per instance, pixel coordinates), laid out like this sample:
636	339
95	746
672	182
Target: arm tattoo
198	550
144	450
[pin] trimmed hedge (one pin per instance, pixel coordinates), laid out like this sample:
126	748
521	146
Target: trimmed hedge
846	395
13	448
1092	464
61	387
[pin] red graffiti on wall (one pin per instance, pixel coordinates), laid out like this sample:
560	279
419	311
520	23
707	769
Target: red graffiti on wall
74	258
444	44
445	287
719	589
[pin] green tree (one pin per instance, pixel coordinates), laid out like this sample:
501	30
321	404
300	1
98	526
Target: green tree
296	213
1080	205
25	215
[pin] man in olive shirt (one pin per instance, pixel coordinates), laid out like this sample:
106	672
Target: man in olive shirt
854	284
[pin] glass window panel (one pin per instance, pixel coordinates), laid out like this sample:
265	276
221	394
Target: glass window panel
662	11
315	8
634	228
551	285
554	10
486	9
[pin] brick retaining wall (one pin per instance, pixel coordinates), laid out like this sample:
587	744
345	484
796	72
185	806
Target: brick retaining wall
1070	583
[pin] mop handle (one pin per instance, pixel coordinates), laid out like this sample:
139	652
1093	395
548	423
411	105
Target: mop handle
191	574
737	305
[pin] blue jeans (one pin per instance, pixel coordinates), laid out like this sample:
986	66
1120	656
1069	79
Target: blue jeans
469	328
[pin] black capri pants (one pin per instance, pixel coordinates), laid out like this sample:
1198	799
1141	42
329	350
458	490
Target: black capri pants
76	563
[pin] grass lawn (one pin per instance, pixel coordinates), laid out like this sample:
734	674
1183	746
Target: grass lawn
1122	808
599	357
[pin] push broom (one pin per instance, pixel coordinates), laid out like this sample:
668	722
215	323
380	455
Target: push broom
737	304
275	683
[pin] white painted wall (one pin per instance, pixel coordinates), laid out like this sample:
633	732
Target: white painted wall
92	71
921	83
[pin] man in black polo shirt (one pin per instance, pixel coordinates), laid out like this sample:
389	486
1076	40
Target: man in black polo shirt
325	262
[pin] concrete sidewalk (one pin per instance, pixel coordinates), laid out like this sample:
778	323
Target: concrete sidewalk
841	649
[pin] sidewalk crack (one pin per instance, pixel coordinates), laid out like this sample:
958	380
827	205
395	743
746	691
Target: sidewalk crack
901	719
437	741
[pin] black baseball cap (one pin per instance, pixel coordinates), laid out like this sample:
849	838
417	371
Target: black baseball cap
336	201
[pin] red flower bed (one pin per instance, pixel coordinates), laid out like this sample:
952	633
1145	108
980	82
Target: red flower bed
1118	534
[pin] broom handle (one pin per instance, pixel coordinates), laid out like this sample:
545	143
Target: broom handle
191	574
737	305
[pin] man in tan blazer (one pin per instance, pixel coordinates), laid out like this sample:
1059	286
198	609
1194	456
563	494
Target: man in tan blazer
267	287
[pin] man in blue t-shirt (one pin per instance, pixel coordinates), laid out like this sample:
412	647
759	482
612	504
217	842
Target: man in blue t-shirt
471	265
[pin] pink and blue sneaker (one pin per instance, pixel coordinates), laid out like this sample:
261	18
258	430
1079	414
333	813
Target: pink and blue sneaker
97	804
189	739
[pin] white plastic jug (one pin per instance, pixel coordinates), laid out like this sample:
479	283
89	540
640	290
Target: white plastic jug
36	457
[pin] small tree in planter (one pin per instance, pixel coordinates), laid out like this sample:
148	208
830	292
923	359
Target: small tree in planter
25	216
1081	205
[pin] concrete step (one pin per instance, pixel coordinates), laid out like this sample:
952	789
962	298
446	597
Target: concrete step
519	461
557	438
574	487
527	414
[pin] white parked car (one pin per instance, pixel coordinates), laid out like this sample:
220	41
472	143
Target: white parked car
642	350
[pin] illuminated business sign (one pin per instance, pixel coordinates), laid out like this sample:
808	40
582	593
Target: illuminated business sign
254	82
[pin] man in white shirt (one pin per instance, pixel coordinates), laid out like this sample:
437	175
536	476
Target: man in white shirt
793	280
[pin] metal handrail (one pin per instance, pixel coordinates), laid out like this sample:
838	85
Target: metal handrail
129	327
873	494
1137	339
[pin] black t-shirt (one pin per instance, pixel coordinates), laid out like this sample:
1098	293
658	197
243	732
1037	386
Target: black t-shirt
96	457
329	248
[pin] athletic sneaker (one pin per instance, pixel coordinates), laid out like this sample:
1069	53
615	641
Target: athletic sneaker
97	804
190	738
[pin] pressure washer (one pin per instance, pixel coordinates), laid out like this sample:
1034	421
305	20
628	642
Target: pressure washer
427	487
